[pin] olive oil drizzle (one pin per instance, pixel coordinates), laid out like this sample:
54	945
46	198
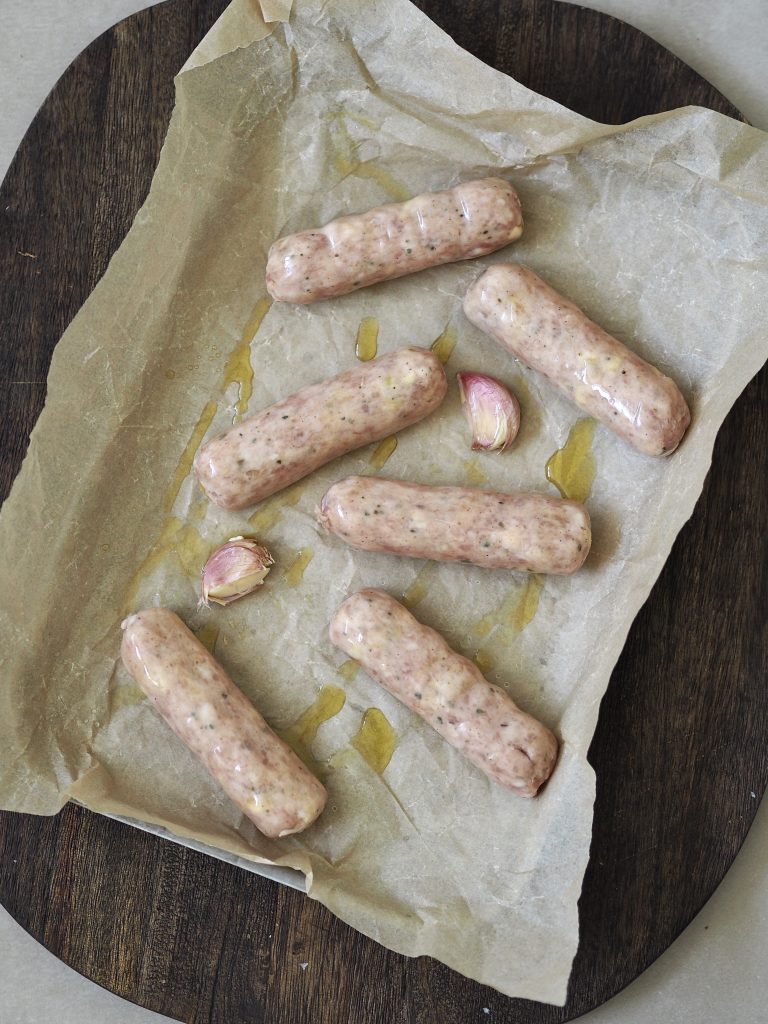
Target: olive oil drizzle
572	468
270	511
367	340
348	670
475	475
375	740
419	588
238	369
302	733
127	695
208	635
345	162
444	345
187	456
176	537
294	574
515	612
384	450
484	661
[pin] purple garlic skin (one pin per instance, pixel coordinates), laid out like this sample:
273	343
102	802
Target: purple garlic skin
492	411
234	570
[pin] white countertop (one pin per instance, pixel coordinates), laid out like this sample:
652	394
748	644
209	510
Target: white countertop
716	971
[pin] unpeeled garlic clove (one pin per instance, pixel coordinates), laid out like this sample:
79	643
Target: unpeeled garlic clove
492	411
235	569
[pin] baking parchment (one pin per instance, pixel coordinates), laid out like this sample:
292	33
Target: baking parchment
658	228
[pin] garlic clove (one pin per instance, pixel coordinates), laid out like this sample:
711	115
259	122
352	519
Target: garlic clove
235	569
492	411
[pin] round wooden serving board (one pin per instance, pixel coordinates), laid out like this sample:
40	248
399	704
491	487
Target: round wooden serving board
680	750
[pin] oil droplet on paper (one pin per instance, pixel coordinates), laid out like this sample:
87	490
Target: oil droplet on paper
419	589
528	604
267	516
302	733
572	468
375	740
382	177
294	574
238	369
270	511
192	550
484	626
444	345
187	456
484	661
157	553
367	341
383	452
176	538
345	159
125	696
208	635
522	389
474	475
514	613
348	670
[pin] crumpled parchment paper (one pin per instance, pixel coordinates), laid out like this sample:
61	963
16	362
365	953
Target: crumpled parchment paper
658	228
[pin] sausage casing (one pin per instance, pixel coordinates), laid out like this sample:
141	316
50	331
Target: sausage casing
460	223
196	697
520	311
285	442
534	532
418	667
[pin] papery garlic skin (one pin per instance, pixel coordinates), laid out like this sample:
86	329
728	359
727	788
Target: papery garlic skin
235	569
492	411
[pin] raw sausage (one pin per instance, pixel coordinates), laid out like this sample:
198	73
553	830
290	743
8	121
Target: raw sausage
473	219
418	667
458	524
597	372
285	442
205	709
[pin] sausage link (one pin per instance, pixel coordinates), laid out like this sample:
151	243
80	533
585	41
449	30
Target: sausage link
458	524
193	693
285	442
598	373
418	667
471	220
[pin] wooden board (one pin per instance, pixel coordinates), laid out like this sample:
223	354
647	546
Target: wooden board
680	749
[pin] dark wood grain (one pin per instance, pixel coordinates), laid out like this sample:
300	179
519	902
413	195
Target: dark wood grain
680	745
